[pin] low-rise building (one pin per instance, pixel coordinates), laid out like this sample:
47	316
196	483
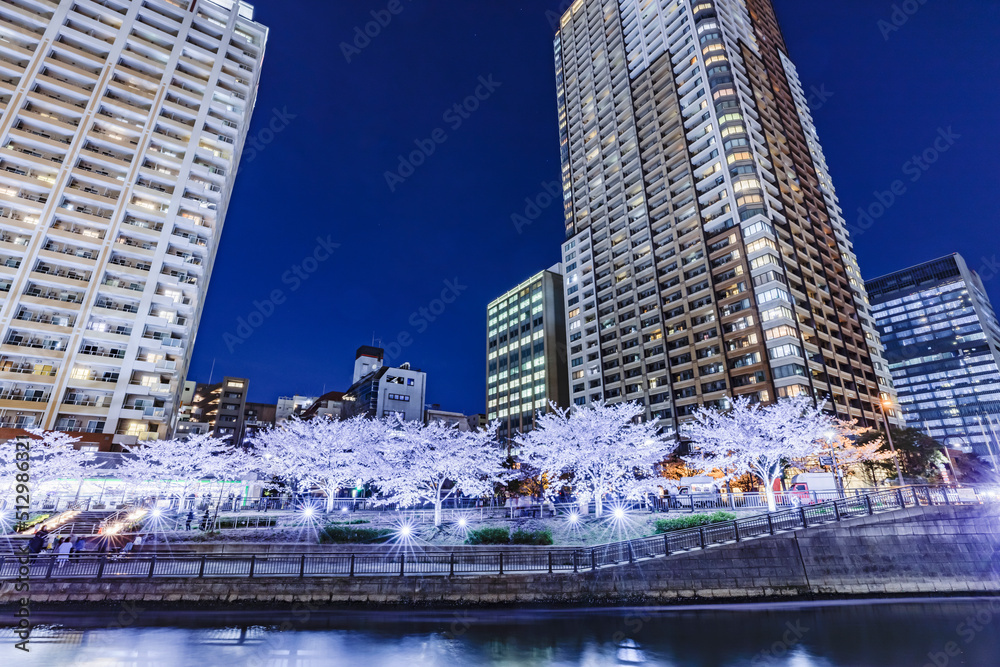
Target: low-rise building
384	391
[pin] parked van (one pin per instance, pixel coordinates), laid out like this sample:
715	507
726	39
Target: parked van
699	484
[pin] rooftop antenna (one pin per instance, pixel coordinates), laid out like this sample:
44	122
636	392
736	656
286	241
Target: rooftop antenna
211	372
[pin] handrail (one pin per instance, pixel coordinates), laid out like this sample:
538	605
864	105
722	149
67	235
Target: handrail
397	561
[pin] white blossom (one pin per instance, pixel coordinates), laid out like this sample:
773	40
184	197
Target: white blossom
759	440
321	453
429	464
602	449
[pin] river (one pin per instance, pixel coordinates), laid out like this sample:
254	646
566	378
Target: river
902	633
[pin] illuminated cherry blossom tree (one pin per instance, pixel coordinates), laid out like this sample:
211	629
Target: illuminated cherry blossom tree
321	453
163	465
759	440
51	457
428	464
600	450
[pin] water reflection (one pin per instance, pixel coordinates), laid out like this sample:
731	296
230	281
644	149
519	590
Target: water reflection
900	634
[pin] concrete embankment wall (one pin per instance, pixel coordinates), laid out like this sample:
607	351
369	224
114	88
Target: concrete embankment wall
920	551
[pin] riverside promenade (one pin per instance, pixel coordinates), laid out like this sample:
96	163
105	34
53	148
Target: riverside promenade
915	547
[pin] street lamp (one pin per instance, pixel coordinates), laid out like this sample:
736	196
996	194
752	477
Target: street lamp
887	403
838	475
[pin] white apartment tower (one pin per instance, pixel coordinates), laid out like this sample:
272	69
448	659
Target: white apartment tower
121	130
706	255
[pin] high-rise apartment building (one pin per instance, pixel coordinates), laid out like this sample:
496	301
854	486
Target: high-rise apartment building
121	129
526	352
942	342
706	255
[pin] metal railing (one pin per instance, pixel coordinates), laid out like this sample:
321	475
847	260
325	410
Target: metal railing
383	561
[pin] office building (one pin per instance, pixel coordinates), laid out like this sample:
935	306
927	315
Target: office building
121	127
526	353
706	255
942	343
383	391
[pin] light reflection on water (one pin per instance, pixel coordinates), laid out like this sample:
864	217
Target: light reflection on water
898	634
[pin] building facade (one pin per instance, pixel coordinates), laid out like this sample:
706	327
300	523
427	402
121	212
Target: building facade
121	127
215	409
526	353
383	391
706	254
258	417
942	343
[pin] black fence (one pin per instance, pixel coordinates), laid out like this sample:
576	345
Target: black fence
408	560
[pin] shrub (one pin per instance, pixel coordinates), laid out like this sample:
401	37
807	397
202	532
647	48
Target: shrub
541	538
247	522
334	534
489	536
692	521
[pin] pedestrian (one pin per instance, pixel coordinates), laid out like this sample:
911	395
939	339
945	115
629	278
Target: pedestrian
79	546
190	518
138	542
127	549
35	544
204	521
64	548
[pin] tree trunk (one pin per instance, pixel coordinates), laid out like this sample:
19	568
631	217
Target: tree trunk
329	502
437	512
769	492
598	505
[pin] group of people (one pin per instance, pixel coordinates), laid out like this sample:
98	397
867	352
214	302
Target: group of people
63	546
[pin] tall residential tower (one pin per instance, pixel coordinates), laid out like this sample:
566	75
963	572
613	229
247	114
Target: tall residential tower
121	129
706	254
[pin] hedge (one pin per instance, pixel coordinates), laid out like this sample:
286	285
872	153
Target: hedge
692	521
333	534
488	536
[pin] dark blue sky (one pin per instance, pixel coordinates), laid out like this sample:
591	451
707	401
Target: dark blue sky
448	225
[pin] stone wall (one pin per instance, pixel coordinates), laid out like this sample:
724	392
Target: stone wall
940	550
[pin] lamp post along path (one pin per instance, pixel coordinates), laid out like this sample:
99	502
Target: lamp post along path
888	435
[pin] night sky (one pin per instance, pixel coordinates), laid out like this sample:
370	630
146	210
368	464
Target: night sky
880	97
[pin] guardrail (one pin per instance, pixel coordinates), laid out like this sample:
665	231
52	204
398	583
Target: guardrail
401	562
